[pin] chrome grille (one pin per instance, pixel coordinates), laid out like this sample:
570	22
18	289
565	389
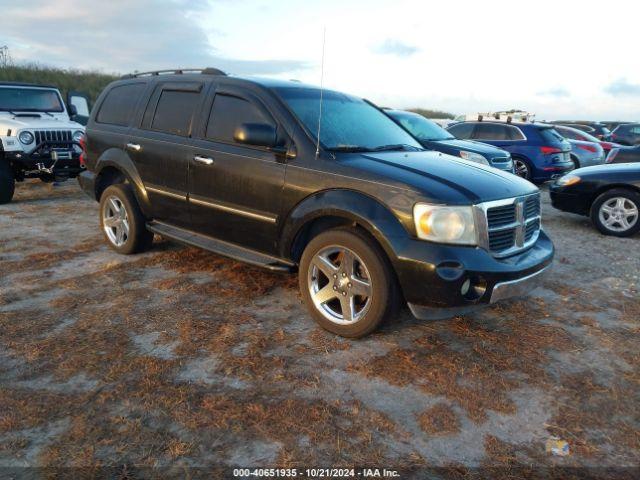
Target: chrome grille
510	226
62	137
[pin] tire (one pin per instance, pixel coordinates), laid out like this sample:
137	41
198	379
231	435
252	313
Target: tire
122	222
522	168
576	162
330	254
7	182
617	212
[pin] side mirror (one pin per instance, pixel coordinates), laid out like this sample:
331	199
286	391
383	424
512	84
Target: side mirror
259	134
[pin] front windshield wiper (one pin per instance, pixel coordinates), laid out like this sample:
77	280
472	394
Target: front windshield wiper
397	146
349	148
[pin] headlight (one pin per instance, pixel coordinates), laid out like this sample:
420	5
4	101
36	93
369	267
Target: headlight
567	180
25	138
444	224
77	135
473	157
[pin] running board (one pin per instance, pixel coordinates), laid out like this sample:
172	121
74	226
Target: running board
222	248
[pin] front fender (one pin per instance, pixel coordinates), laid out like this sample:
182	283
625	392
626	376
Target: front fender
359	208
120	160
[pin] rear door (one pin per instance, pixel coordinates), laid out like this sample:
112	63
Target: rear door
235	189
162	148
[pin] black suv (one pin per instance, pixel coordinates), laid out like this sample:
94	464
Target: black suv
627	134
245	168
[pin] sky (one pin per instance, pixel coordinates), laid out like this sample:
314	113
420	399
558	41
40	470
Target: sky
559	59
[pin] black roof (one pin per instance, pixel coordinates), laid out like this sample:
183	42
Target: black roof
23	84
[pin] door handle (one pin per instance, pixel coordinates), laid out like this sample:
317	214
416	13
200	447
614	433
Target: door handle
203	160
134	146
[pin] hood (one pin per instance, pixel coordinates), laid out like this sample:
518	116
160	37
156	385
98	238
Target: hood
16	123
488	151
630	170
440	178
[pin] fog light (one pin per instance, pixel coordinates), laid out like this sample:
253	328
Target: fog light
475	287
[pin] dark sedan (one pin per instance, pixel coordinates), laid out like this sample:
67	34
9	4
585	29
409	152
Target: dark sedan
624	155
609	194
433	137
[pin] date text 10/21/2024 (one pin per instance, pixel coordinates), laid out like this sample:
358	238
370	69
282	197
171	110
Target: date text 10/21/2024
315	473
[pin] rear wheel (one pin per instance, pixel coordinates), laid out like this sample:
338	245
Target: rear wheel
617	212
522	168
347	283
122	221
7	182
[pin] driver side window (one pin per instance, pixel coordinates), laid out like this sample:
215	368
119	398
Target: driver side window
229	112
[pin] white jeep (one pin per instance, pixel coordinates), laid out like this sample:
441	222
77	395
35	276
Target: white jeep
38	139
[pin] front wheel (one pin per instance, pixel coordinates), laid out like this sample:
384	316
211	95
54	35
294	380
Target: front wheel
347	283
122	221
616	212
7	182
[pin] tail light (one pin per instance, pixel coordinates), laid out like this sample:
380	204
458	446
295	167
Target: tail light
83	146
606	145
612	155
550	150
589	148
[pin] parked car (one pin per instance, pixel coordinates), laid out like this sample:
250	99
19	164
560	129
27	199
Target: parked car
624	155
628	134
365	215
611	124
539	152
597	129
609	194
37	137
434	137
571	133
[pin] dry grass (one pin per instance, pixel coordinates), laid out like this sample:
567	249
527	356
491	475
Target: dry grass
439	420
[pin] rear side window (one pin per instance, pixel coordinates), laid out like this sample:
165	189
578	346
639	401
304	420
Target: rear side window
462	131
489	131
174	112
228	113
635	130
119	104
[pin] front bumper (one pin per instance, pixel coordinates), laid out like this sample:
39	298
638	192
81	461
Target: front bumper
435	278
568	201
63	163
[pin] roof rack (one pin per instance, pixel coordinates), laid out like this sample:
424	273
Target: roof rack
505	116
202	71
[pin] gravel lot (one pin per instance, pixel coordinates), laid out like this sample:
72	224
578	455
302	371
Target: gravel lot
187	361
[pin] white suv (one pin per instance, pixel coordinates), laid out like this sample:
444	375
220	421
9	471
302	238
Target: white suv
38	139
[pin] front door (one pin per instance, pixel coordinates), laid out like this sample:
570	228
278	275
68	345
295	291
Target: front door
162	149
235	189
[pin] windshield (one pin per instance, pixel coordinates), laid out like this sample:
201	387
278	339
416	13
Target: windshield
21	99
420	127
348	123
576	134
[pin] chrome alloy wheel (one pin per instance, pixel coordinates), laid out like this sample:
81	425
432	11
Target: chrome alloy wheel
340	285
618	214
115	221
521	168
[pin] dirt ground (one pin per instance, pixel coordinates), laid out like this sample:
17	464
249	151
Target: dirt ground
191	363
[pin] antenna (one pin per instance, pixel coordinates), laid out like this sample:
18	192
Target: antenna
324	40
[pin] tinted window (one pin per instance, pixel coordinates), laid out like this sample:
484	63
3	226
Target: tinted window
584	128
488	131
635	130
228	113
22	99
462	130
348	123
420	127
118	106
174	112
567	133
551	135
